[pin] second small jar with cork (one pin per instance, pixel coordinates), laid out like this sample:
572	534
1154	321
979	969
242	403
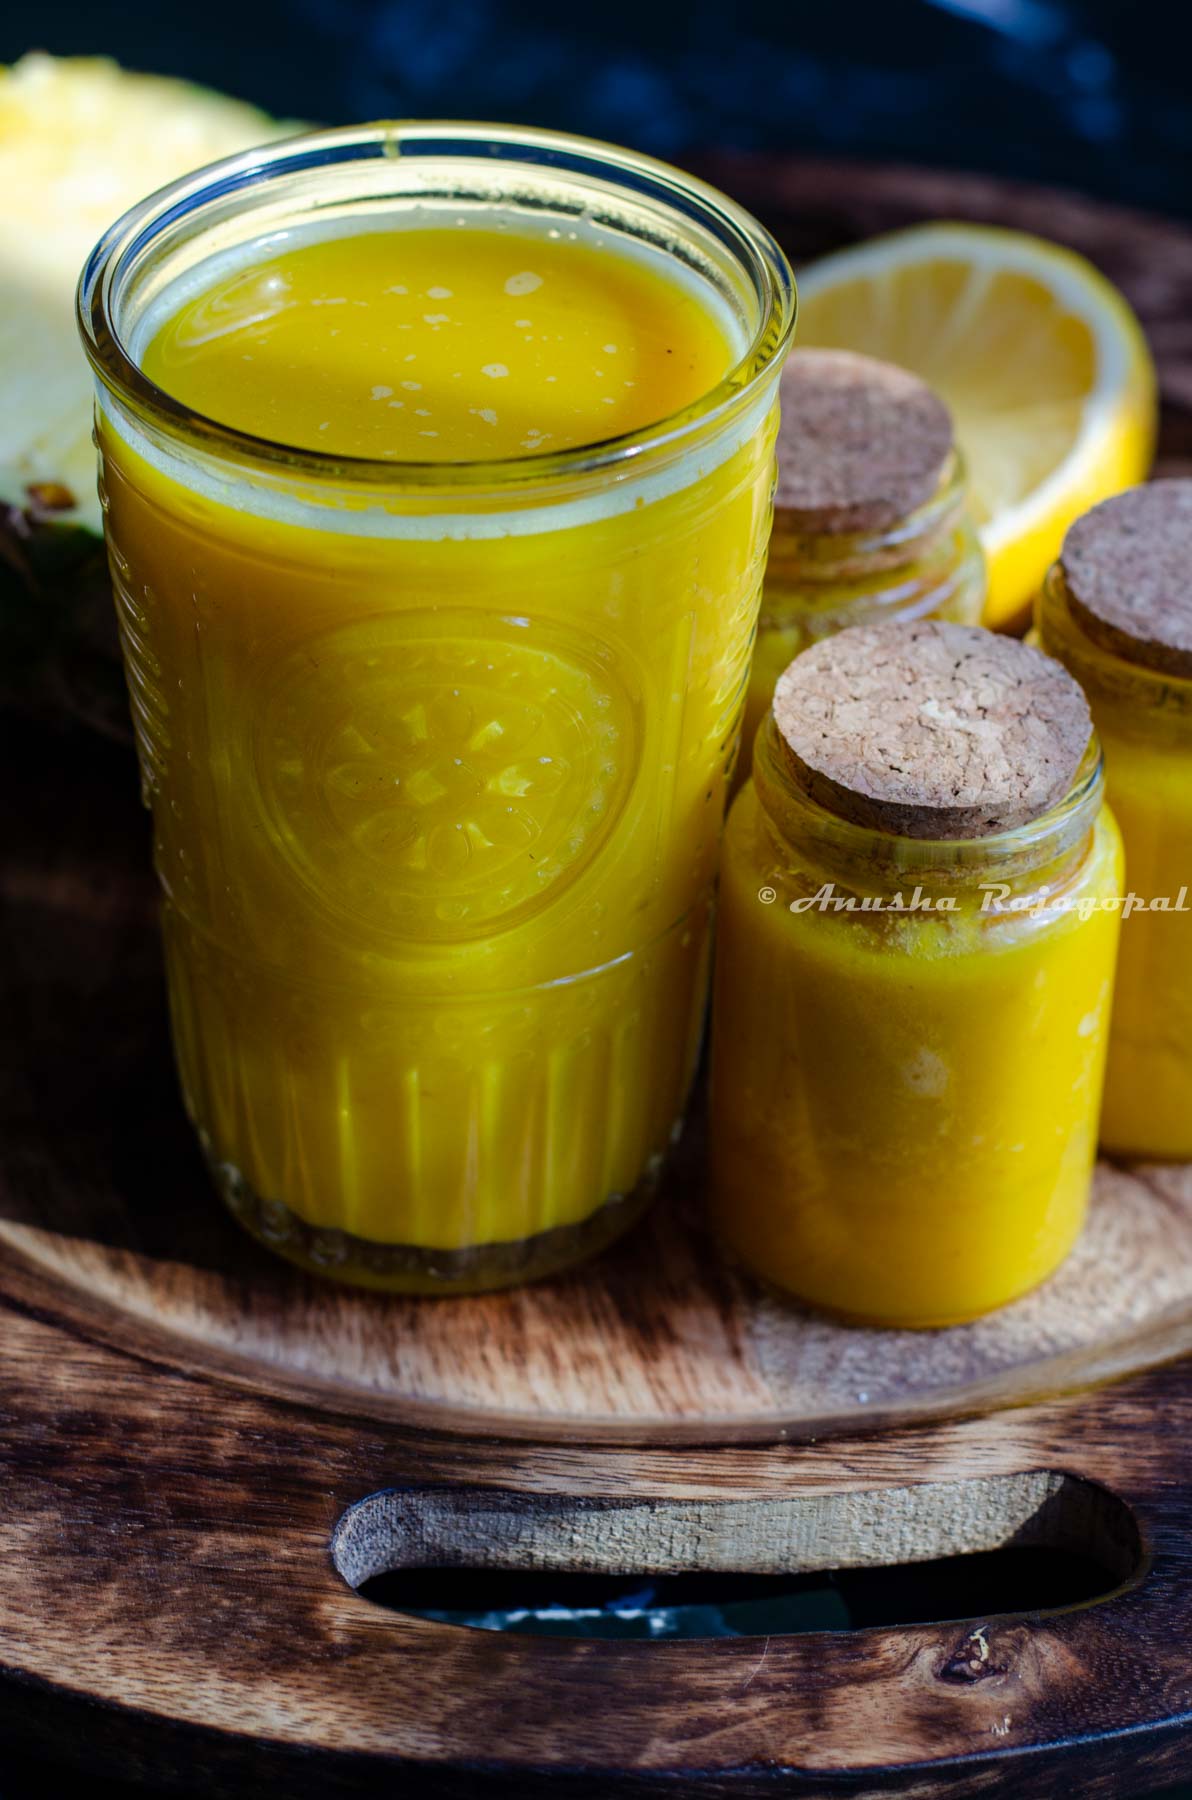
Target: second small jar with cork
914	974
870	520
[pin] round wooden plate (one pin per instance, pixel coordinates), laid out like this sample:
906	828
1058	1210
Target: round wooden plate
189	1424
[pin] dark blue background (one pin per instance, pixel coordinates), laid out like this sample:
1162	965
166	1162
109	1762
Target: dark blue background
1091	94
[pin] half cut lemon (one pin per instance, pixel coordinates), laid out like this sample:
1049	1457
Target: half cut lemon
1042	362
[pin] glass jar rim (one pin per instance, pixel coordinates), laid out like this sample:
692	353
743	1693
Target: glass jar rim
483	145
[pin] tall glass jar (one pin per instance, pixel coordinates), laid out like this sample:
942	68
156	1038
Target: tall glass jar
870	518
1135	665
908	1041
436	752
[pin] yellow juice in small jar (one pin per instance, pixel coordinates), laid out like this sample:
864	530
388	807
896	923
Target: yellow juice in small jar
1117	610
437	643
909	1035
1148	1082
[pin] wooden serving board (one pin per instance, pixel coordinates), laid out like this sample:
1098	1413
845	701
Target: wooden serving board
204	1452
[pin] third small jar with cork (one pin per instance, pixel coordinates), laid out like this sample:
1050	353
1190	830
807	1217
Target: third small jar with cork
1117	610
870	519
914	974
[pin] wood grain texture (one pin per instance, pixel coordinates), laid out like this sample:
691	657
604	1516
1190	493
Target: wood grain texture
187	1428
171	1537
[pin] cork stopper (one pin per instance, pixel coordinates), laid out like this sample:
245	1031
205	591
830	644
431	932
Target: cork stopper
932	730
860	443
1128	569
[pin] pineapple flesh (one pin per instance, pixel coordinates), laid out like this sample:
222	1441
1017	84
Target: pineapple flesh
81	140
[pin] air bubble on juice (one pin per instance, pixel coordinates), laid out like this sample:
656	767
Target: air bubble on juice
526	282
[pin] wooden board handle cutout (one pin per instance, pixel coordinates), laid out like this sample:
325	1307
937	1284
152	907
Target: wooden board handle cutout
462	1528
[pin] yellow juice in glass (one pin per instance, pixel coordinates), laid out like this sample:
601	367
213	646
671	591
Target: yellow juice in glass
437	644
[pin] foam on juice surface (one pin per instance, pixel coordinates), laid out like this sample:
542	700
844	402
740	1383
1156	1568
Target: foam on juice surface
527	338
438	343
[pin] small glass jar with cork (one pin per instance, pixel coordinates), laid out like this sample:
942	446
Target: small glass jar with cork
869	514
915	963
1117	610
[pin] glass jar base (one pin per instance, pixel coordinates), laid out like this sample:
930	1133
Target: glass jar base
421	1269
